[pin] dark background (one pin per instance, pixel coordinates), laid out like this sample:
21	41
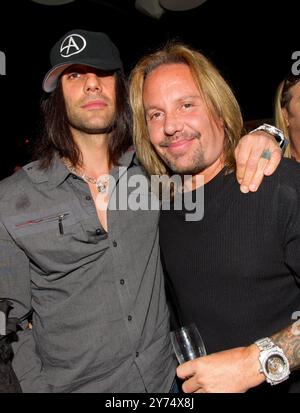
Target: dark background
250	41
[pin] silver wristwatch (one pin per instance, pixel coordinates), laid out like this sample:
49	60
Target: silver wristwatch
274	364
277	133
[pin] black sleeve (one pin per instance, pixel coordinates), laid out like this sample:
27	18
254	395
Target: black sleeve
289	215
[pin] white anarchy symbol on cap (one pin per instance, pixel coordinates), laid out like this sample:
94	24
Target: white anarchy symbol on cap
70	46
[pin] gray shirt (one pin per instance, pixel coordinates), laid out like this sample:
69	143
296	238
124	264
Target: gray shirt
100	320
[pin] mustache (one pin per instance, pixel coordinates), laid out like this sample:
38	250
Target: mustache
104	98
168	140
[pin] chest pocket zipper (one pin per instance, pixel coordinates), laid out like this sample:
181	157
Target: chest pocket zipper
51	218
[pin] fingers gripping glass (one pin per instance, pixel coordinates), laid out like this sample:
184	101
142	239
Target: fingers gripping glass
187	343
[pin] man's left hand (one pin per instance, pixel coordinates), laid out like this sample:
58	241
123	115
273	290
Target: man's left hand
230	371
251	166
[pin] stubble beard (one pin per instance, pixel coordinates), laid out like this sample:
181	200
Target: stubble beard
196	162
195	165
82	125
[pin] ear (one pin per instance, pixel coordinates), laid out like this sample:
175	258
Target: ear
285	115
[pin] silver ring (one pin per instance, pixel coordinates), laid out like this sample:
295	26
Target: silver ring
266	154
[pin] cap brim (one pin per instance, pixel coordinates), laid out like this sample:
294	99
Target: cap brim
51	78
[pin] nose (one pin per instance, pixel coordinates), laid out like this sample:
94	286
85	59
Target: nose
173	124
93	83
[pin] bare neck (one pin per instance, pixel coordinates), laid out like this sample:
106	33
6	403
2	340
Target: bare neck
94	150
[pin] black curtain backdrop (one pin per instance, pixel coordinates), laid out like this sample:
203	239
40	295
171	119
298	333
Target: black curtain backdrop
250	41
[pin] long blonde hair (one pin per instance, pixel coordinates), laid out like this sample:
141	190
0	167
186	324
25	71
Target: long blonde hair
282	100
215	91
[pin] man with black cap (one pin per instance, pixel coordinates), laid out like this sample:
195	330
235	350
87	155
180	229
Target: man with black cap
94	280
91	273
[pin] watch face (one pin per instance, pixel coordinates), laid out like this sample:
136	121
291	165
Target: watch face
275	365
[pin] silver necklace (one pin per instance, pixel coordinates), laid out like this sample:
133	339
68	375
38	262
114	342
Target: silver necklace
101	183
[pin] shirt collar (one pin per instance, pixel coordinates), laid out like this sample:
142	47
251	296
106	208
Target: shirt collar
128	158
57	173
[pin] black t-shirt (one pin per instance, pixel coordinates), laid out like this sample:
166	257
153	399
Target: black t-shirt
236	273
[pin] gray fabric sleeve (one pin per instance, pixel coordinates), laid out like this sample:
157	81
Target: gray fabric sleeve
15	286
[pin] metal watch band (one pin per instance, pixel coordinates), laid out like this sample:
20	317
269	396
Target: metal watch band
264	344
277	133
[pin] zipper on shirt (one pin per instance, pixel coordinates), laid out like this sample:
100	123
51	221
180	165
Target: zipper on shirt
60	224
51	218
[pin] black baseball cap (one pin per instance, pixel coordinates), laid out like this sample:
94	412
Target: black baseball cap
83	47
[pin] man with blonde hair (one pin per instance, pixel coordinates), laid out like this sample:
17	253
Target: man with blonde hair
236	272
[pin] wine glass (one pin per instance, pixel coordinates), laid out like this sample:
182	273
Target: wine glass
187	343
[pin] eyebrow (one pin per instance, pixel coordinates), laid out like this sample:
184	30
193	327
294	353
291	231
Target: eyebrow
189	97
181	99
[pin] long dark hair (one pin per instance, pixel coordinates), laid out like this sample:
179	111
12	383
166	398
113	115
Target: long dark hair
56	136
